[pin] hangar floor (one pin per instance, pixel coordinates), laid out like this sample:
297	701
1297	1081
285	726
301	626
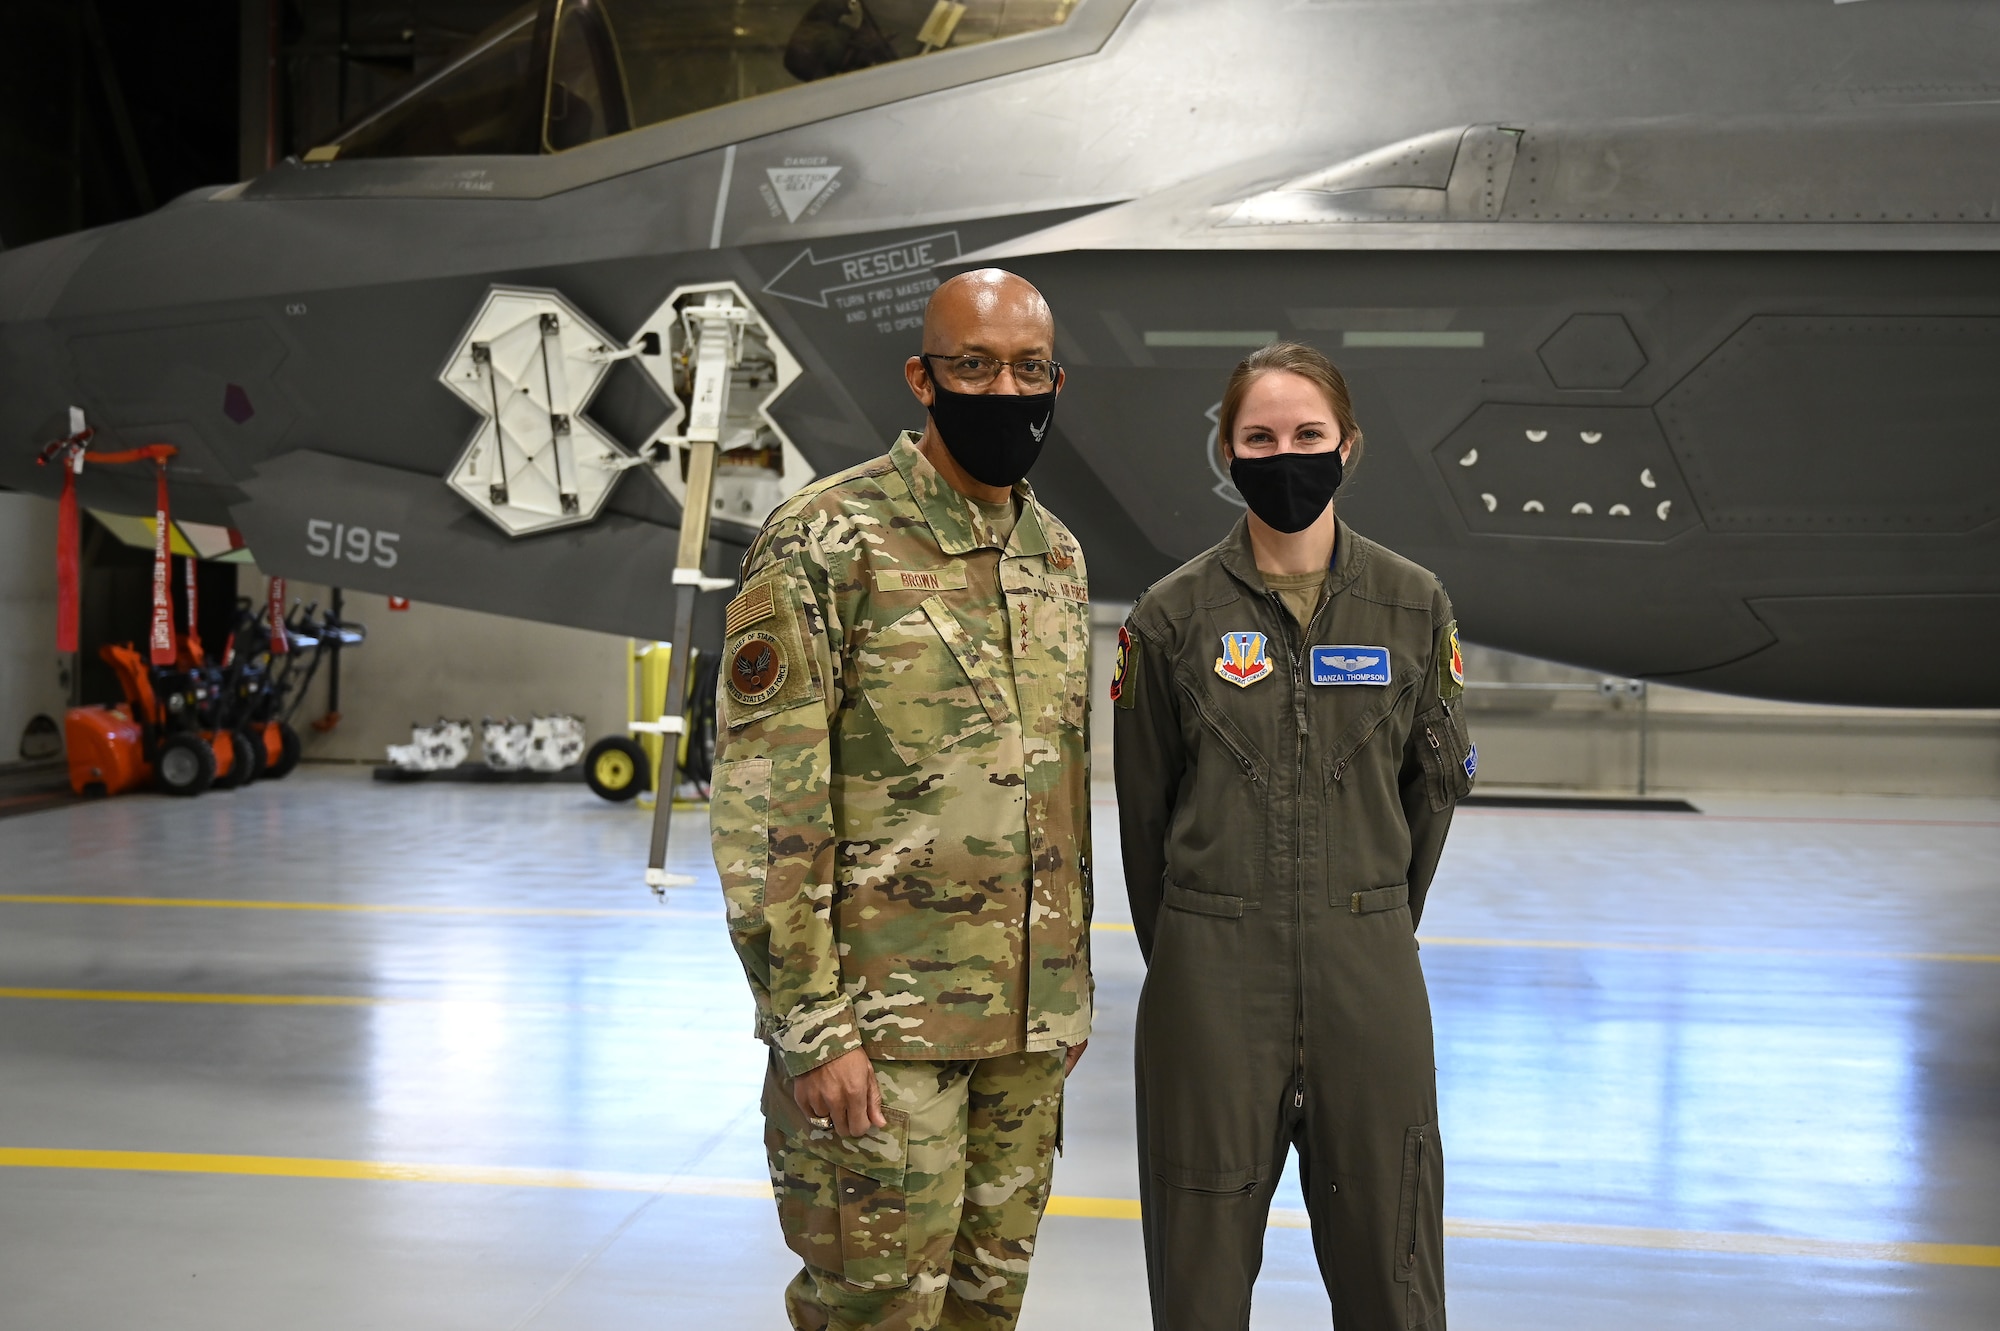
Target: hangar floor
330	1054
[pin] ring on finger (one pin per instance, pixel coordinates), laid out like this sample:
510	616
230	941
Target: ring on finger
820	1121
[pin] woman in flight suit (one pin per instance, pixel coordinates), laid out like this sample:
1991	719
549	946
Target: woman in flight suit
1289	748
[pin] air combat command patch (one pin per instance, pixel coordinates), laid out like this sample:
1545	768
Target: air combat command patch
1451	662
1244	659
757	670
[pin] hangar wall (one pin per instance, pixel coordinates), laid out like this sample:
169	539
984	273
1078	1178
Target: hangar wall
1537	724
1548	726
31	681
434	661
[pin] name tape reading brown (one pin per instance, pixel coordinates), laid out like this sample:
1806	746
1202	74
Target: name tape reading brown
920	580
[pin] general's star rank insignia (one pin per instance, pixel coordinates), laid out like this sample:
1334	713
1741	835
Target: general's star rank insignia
1244	659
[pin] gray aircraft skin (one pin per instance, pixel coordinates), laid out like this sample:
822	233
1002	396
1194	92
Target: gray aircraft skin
1674	328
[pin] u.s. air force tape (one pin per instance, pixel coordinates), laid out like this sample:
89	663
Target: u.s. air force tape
757	669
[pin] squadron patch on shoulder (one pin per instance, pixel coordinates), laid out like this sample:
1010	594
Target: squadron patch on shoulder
1118	670
1350	665
1471	761
757	669
1451	663
1245	659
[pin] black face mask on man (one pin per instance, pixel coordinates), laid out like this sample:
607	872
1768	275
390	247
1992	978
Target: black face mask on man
996	437
1287	490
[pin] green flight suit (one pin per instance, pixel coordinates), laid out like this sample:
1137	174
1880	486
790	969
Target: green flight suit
1283	799
901	825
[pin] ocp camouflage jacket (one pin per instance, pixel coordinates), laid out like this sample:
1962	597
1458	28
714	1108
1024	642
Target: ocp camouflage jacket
901	810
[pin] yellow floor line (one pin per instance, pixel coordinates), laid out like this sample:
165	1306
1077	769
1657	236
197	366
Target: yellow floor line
313	1000
360	908
1105	926
167	996
1100	1208
1587	945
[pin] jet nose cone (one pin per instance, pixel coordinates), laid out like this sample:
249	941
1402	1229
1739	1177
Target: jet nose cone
33	277
36	386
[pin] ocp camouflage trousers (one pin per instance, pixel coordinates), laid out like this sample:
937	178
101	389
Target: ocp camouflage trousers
928	1222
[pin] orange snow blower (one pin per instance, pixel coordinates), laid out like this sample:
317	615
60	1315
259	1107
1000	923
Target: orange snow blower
122	747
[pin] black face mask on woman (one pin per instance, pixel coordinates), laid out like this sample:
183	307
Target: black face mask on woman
996	437
1288	490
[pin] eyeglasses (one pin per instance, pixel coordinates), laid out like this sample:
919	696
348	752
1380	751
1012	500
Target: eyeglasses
1034	376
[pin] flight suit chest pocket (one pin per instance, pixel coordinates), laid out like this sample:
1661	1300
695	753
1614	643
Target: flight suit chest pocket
925	681
1445	749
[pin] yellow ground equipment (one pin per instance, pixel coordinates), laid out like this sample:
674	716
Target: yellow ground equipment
619	767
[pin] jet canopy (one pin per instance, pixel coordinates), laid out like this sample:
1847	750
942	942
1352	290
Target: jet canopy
562	73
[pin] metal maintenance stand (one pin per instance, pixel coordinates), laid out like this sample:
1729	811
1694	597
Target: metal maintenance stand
714	332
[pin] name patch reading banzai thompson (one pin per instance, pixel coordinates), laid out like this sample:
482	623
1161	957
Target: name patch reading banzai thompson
1350	665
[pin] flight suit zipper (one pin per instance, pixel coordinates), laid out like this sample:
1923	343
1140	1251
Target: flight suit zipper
1340	768
1302	743
1416	1201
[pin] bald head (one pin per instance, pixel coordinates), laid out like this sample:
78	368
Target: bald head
995	316
989	312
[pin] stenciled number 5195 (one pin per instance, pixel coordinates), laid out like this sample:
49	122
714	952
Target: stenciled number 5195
356	545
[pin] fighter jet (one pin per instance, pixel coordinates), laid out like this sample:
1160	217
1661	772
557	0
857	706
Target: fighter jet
1674	329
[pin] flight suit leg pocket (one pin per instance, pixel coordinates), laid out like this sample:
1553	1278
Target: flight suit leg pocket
1445	748
1419	1251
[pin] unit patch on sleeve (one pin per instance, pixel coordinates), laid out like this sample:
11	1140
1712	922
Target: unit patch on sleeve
1451	663
1471	761
1118	670
1350	665
1244	659
757	670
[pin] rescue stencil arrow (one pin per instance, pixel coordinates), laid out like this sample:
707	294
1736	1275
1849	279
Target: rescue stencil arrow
809	279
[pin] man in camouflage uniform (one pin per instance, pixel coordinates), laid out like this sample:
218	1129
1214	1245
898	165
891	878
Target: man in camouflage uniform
901	822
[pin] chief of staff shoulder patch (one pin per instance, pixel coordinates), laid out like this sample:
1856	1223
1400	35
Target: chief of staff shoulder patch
757	669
